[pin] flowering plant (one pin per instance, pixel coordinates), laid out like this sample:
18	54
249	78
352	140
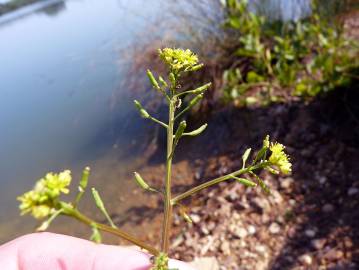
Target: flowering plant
44	203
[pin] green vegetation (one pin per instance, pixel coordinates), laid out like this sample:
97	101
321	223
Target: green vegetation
275	60
44	203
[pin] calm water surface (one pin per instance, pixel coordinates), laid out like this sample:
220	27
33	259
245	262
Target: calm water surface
60	70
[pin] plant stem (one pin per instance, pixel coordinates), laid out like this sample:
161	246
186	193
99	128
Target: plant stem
158	121
216	181
84	219
167	198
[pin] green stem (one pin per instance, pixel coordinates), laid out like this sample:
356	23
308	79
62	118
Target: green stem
158	121
167	203
215	181
84	219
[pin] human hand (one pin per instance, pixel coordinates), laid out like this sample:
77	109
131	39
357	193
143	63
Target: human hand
49	251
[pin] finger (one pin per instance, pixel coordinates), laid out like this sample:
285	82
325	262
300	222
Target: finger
44	251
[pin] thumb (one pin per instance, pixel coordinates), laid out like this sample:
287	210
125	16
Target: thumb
44	251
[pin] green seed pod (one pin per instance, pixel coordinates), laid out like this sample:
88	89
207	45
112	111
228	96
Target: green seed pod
196	131
142	111
142	183
172	78
201	88
195	100
182	126
162	81
187	218
245	182
84	179
152	80
197	67
245	156
271	170
98	200
261	183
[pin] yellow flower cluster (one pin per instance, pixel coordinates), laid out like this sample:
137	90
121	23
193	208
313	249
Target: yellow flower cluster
279	158
42	199
178	59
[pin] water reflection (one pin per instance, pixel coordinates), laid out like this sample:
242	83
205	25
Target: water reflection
58	75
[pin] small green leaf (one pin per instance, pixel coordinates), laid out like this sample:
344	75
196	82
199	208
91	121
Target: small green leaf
245	156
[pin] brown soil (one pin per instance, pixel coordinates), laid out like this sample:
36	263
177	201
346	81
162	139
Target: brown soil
310	221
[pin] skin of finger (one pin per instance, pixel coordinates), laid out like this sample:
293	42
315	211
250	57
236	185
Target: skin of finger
44	251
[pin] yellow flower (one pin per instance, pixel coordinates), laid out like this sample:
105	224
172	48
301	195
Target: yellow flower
178	59
279	158
42	199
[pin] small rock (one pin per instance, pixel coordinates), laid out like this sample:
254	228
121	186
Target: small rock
265	218
261	249
318	244
204	230
274	228
292	202
208	263
195	218
310	233
333	254
322	180
306	259
240	232
353	191
327	208
286	182
252	229
225	248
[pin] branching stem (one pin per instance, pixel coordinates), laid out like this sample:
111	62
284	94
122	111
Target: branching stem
103	227
158	122
215	181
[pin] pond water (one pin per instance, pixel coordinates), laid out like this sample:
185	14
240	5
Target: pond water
61	102
60	71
